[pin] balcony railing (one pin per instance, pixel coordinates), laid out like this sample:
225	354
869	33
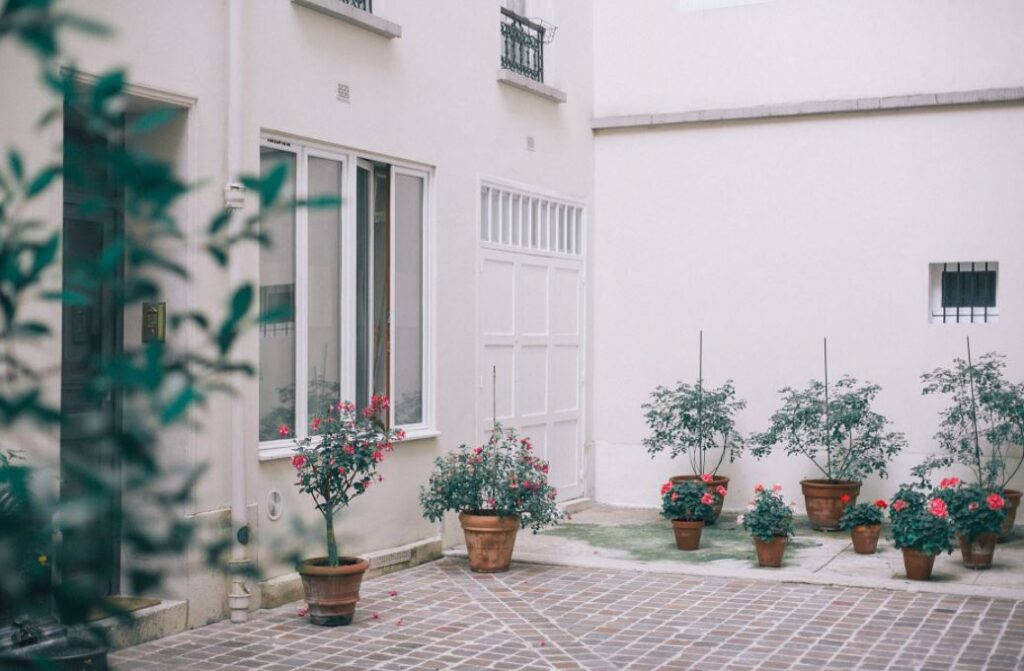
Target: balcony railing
522	45
365	5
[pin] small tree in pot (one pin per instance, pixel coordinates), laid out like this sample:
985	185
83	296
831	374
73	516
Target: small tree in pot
689	505
982	428
770	523
699	423
497	488
977	515
841	435
334	467
920	528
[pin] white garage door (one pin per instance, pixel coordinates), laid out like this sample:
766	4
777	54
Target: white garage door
531	324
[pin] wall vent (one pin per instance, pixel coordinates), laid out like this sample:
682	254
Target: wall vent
530	145
344	93
390	558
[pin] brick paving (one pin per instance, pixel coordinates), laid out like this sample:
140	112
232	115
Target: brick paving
548	617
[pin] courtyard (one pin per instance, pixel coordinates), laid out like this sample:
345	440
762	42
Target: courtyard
442	616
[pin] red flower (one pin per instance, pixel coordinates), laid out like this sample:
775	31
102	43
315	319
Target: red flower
349	450
899	505
477	450
298	461
393	592
721	490
972	506
341	470
283	430
315	424
378	455
881	504
938	508
949	483
845	498
758	488
995	502
665	487
708	499
776	487
706	477
675	496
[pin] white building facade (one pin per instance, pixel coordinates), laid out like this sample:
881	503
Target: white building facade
542	249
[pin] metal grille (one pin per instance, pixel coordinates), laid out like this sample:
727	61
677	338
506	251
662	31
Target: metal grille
512	218
968	292
522	45
365	5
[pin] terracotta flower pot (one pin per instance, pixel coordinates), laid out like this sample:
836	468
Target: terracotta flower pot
824	501
865	538
332	592
489	541
716	481
687	533
769	553
918	564
1012	504
977	552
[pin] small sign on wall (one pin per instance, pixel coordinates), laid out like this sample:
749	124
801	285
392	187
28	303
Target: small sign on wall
154	322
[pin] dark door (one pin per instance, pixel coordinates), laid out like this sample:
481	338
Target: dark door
91	335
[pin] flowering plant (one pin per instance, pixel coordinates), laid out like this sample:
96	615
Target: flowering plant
340	462
502	477
695	421
768	515
973	509
863	514
920	521
844	438
688	501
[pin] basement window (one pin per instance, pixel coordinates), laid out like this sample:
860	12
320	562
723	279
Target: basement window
964	292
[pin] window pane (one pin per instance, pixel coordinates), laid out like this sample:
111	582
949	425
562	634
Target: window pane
373	292
324	320
277	292
409	299
362	286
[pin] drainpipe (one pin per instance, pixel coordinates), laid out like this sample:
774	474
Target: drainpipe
234	198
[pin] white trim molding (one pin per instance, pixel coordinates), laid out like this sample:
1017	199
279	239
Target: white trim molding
516	80
1012	94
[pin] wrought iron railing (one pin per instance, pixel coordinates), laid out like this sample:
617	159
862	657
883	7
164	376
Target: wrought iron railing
522	45
365	5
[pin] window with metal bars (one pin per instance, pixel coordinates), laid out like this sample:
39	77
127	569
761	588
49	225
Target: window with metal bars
964	292
528	221
522	49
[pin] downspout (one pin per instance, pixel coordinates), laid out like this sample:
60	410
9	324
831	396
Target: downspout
234	198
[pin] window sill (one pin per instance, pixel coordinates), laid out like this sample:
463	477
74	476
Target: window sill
516	80
273	450
357	17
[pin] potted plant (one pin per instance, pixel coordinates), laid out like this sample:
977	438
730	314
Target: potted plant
864	522
335	465
982	428
920	529
699	423
497	488
689	505
841	435
770	522
977	515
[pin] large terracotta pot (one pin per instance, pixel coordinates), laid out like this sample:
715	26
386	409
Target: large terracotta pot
489	541
687	533
1012	504
823	500
865	538
769	553
977	552
715	482
332	592
918	564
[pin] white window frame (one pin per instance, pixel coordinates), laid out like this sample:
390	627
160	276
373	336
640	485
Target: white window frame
350	159
967	315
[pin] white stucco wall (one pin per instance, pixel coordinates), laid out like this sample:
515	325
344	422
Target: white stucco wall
770	235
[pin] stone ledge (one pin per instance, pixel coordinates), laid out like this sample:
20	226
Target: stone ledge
516	80
147	624
812	108
357	17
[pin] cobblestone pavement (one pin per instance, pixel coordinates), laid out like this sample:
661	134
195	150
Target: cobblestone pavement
441	616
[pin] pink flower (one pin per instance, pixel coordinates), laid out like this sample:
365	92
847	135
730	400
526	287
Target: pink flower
740	518
349	450
477	450
283	430
758	488
400	435
341	470
995	502
776	487
751	507
665	487
378	455
315	424
393	592
938	508
674	496
302	611
721	490
708	499
949	483
972	506
706	477
298	461
375	616
899	505
366	483
491	502
400	622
